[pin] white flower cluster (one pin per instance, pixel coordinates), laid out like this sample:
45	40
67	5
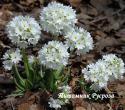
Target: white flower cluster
57	18
97	73
65	89
57	103
23	30
11	57
54	103
31	59
101	71
54	54
115	65
80	39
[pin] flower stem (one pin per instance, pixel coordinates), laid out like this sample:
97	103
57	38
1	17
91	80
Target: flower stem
17	72
25	60
17	76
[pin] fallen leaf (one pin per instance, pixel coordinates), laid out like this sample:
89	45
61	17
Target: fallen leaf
26	2
79	108
24	106
29	106
3	45
74	3
121	33
36	107
105	42
73	82
121	89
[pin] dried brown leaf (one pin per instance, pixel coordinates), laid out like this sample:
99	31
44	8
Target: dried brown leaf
105	42
73	82
79	108
75	3
29	106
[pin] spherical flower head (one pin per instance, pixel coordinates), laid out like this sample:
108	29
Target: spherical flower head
115	65
80	39
97	73
109	67
23	31
11	57
57	18
54	55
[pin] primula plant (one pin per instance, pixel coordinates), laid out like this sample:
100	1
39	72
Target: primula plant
80	39
46	71
57	19
23	31
106	69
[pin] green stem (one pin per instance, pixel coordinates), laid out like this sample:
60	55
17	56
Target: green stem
57	73
49	79
17	73
17	76
25	59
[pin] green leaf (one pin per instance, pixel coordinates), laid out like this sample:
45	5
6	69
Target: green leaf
20	87
58	72
31	75
20	81
29	84
25	60
42	85
30	71
16	93
49	80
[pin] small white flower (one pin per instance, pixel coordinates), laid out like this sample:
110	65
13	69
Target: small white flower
115	65
66	89
31	59
54	55
23	30
7	64
54	103
11	57
80	39
57	18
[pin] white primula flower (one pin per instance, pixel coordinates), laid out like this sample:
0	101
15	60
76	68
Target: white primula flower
65	89
31	59
97	73
104	70
11	57
79	39
57	18
23	30
54	103
54	55
115	65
